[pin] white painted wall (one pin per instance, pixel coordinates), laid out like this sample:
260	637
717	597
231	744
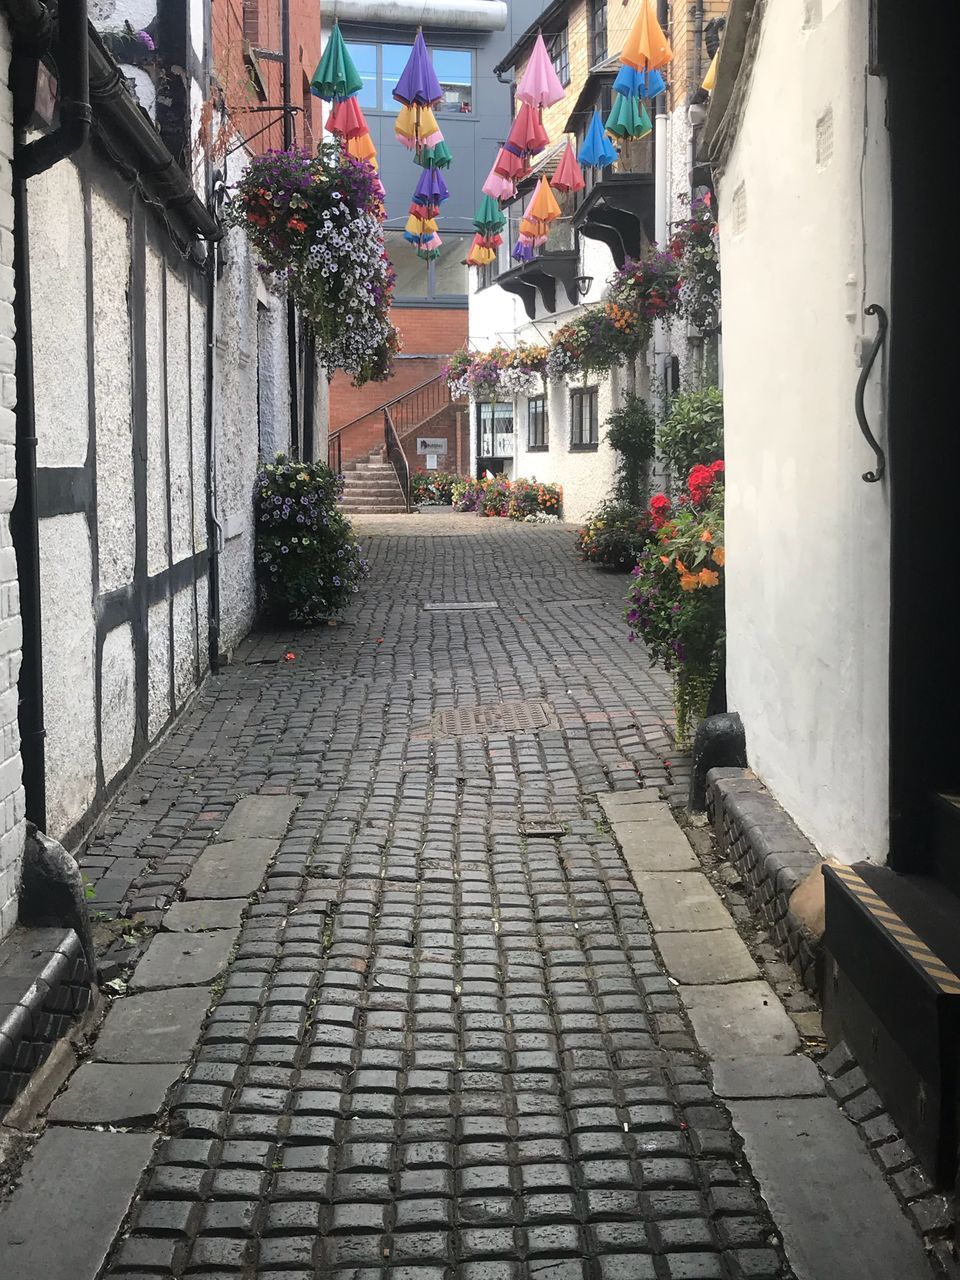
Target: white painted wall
11	788
807	540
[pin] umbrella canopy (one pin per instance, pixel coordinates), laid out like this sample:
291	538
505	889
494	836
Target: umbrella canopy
346	119
710	79
336	76
480	254
431	189
568	176
540	86
543	207
535	224
646	48
597	150
362	148
639	84
418	83
499	187
527	134
628	119
488	219
510	166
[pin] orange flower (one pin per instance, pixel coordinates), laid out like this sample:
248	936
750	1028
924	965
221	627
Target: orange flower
719	556
681	567
706	536
708	578
689	582
664	559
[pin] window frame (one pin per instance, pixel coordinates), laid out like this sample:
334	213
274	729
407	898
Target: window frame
560	53
598	25
541	421
581	396
430	299
386	103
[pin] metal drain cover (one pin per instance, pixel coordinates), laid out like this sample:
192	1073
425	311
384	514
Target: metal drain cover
459	606
492	717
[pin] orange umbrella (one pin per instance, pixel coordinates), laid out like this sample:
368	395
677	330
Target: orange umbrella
544	205
647	47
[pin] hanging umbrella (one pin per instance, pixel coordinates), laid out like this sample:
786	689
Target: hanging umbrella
540	86
597	150
511	165
346	119
489	222
481	254
568	176
535	224
499	187
362	148
639	84
710	79
646	48
527	135
421	229
336	76
418	83
629	118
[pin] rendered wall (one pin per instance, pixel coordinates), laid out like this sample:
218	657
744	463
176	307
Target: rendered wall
805	242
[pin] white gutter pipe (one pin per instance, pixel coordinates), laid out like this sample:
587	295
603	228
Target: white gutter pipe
465	15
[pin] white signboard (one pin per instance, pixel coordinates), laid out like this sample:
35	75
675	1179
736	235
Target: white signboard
431	444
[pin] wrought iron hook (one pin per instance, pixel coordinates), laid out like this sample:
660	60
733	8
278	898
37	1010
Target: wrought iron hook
871	477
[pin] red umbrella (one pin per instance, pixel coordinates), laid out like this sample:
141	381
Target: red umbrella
527	133
569	175
510	166
347	119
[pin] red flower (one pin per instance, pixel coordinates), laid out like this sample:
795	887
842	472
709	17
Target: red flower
659	510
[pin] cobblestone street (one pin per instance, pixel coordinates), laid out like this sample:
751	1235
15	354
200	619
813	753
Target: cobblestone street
444	1045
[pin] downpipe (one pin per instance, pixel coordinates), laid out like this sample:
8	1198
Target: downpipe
660	219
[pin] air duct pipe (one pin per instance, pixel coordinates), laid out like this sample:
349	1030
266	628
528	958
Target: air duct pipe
462	15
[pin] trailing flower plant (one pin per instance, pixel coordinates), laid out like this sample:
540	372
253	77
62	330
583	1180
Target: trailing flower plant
433	486
694	246
517	499
616	535
317	225
676	601
499	371
307	558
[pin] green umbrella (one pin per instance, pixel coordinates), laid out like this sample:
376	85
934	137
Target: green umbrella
336	76
488	219
629	118
435	157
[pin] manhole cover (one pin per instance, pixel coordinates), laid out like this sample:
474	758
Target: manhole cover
458	606
492	717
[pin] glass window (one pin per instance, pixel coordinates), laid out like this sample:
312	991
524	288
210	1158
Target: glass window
583	418
560	54
495	422
454	68
393	58
450	272
418	281
413	278
537	422
365	58
598	30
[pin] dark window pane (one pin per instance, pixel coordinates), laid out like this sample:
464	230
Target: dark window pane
536	422
598	30
560	53
365	58
450	273
454	68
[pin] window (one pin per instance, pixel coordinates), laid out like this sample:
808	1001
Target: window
598	30
495	430
381	65
560	55
583	418
443	280
537	422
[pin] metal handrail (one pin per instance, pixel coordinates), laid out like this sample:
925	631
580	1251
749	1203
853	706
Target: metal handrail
390	404
397	457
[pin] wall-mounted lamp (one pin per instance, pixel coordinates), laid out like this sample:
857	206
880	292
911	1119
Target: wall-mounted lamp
696	114
584	285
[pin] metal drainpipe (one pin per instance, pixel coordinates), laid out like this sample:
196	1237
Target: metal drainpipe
293	363
31	159
660	213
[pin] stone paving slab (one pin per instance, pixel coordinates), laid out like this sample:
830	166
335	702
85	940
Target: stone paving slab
767	1077
76	1187
683	902
183	960
838	1218
158	1026
718	955
733	1020
108	1093
655	846
230	869
201	917
259	816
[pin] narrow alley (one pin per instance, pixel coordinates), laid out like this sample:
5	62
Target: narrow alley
402	1015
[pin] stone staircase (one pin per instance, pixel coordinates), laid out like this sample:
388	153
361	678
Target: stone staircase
370	487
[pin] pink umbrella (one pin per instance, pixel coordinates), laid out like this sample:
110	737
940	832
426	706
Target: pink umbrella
568	175
499	187
540	85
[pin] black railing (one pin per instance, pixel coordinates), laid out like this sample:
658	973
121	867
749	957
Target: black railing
396	456
335	453
419	405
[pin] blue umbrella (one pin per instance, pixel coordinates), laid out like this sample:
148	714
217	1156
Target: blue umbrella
639	84
597	150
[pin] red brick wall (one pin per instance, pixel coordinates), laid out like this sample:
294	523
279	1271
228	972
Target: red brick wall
451	424
240	23
429	335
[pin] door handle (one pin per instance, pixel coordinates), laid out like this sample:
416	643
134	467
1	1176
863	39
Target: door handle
871	477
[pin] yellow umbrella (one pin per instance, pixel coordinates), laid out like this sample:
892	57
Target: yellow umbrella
647	48
710	79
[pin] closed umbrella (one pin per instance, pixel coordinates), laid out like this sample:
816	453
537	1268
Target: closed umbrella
646	47
539	86
535	224
597	150
628	118
638	84
489	222
527	134
418	83
710	79
568	176
336	75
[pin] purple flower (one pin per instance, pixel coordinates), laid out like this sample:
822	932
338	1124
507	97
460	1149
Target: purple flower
146	39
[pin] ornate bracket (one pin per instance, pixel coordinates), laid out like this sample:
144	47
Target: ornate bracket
871	477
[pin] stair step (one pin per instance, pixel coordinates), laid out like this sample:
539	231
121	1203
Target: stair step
896	1002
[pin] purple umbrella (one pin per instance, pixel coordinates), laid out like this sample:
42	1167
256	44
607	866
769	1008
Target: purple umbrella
431	189
418	84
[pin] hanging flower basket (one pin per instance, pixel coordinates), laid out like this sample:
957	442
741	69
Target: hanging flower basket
317	225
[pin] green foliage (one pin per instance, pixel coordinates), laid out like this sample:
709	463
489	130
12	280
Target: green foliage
631	430
693	430
308	561
433	486
615	535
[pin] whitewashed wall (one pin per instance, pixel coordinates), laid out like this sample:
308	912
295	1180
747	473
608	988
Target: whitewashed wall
804	248
11	787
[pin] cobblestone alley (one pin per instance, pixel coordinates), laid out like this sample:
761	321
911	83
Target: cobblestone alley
443	1046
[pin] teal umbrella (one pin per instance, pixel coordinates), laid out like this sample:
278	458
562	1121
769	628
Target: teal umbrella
488	219
629	118
336	77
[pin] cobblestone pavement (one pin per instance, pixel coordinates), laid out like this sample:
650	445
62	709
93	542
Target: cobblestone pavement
444	1048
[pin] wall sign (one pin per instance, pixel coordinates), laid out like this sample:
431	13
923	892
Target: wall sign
431	444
